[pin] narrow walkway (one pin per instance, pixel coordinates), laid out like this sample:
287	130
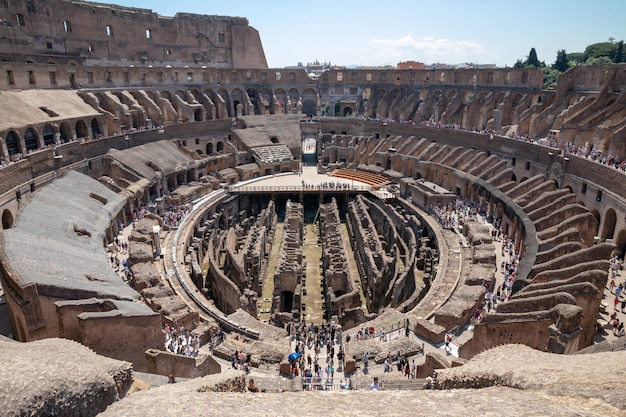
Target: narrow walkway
313	297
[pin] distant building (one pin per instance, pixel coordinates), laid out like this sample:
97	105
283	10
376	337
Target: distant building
411	65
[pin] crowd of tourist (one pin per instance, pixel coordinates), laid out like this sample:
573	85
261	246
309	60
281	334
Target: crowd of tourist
456	212
180	341
241	361
313	338
328	185
173	214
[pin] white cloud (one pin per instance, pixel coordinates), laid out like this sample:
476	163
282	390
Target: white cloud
428	50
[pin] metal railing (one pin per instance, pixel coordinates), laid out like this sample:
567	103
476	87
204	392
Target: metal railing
296	188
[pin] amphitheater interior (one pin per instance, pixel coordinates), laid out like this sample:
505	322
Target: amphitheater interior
243	203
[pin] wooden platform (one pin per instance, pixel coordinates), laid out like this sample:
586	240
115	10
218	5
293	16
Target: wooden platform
375	180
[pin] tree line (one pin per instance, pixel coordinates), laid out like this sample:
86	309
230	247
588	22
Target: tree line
601	53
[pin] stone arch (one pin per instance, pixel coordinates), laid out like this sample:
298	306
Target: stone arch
281	100
48	135
209	148
7	219
198	115
569	187
220	146
95	128
196	94
293	94
225	97
265	101
12	140
253	97
65	131
620	243
347	111
31	140
596	214
523	179
166	95
309	107
238	98
608	227
516	100
81	129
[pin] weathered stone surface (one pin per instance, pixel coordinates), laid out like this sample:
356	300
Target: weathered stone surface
429	331
58	377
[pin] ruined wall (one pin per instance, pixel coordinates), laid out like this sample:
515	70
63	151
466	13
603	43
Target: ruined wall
288	273
116	335
165	363
80	32
341	293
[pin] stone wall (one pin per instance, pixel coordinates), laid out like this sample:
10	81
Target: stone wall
82	32
165	363
288	272
341	294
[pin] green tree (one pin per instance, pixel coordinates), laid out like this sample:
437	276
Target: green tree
602	60
518	64
597	50
550	77
618	56
576	57
562	63
532	60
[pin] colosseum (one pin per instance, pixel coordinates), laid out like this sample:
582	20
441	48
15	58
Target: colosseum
160	183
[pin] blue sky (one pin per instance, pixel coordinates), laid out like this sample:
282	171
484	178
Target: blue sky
378	33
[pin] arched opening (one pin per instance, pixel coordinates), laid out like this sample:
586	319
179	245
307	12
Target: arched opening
309	107
596	214
7	219
95	129
30	140
197	115
81	129
13	143
209	148
608	229
48	135
347	111
286	301
309	152
252	96
620	243
65	132
220	146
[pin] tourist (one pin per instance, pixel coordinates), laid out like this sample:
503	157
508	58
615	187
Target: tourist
252	387
448	340
377	385
171	379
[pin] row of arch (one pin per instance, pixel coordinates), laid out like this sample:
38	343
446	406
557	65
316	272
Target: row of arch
33	138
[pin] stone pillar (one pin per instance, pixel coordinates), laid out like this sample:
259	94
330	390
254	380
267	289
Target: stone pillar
497	116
